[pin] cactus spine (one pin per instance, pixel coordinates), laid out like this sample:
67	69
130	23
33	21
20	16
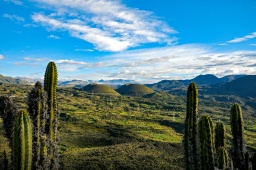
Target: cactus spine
206	143
237	129
222	158
50	85
220	135
22	142
190	138
37	109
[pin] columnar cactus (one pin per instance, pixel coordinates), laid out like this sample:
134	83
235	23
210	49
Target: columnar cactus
37	108
50	85
206	143
222	160
22	142
220	135
191	136
8	111
237	129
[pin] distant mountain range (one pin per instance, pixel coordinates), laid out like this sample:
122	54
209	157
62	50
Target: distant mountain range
25	80
11	80
108	82
208	79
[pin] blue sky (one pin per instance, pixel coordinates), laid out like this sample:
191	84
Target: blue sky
146	41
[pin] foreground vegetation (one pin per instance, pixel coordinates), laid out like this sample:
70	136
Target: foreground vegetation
122	132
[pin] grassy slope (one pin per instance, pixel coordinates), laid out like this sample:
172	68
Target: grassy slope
118	132
99	89
134	90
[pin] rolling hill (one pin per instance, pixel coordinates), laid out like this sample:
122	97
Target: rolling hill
99	89
134	90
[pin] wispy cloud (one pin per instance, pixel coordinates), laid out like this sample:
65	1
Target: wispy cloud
244	38
253	44
13	17
16	2
35	59
1	57
84	50
107	24
72	65
53	37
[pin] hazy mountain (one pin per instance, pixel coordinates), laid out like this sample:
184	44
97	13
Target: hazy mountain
81	83
116	81
11	80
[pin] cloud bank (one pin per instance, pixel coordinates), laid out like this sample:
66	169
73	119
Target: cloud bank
107	24
152	65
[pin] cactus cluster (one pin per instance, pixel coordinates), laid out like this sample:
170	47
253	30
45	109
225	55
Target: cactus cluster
212	148
34	137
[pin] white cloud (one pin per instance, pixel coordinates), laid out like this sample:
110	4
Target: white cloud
1	57
108	25
53	37
13	17
244	38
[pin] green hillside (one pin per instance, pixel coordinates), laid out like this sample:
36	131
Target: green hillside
99	89
134	90
124	132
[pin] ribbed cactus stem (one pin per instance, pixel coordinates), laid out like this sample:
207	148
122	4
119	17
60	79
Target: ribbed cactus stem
190	138
22	142
222	158
206	143
50	85
220	135
237	129
37	108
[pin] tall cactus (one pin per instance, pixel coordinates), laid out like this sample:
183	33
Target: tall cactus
222	160
22	142
237	129
220	135
206	143
37	108
191	131
8	111
50	85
